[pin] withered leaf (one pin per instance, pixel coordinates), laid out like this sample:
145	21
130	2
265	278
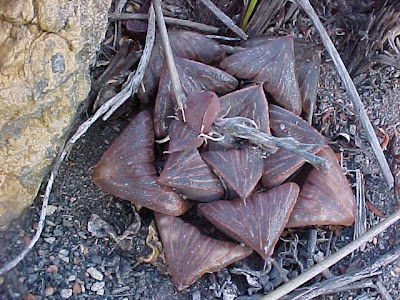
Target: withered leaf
271	64
281	165
127	170
241	169
195	77
182	137
308	61
184	44
190	254
250	103
202	109
189	174
326	197
259	222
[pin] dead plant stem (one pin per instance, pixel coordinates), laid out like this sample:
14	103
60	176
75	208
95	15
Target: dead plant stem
332	259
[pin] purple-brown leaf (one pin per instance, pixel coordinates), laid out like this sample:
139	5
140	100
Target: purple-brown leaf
325	198
195	77
250	103
190	254
202	109
189	174
259	222
182	137
126	170
241	169
281	165
271	64
185	44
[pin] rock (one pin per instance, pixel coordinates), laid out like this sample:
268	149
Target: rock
94	273
97	286
66	293
76	288
46	47
49	291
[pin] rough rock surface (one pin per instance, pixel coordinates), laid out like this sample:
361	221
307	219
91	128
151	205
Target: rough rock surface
45	50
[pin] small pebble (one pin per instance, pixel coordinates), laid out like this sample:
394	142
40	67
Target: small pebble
97	286
66	293
72	278
51	209
76	288
53	269
49	291
94	273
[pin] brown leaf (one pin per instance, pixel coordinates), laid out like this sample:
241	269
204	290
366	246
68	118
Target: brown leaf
195	77
182	137
308	61
271	64
127	170
250	103
281	165
190	254
259	222
373	209
189	174
241	169
184	44
202	109
326	197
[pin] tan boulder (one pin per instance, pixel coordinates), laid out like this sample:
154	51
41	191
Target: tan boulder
45	50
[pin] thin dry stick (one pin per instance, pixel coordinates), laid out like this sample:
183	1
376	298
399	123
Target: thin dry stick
334	284
168	20
69	144
224	19
332	259
238	127
351	89
173	73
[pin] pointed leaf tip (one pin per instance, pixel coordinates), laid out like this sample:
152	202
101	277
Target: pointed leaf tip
190	254
259	222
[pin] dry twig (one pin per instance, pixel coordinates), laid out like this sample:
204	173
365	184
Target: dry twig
334	258
336	284
173	73
238	127
168	20
224	19
133	83
352	91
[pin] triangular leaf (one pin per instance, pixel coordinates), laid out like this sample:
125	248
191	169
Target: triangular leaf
250	103
325	198
271	64
195	77
281	165
201	110
241	169
185	44
189	174
259	222
190	254
182	137
126	170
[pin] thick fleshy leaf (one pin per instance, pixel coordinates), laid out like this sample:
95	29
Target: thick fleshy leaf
250	103
182	137
325	198
190	254
189	174
126	170
201	110
281	165
195	77
308	61
185	44
259	222
273	65
241	169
